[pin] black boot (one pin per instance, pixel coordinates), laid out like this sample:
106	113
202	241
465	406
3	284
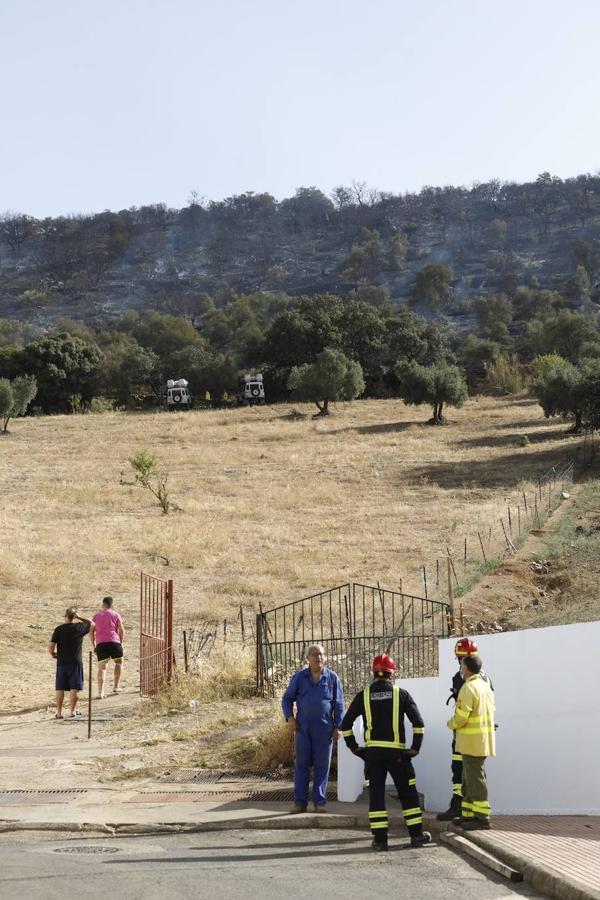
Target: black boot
453	810
379	845
419	840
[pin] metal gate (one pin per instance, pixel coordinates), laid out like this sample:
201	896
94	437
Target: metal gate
353	622
156	634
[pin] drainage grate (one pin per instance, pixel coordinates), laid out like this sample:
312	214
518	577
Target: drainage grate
87	850
60	795
214	776
274	796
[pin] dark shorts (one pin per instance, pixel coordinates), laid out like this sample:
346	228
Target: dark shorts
109	650
69	676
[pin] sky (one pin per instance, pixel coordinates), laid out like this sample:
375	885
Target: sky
108	104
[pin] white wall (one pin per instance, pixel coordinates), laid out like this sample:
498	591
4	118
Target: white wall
547	688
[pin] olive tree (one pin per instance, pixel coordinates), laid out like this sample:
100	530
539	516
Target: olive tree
15	397
331	377
436	385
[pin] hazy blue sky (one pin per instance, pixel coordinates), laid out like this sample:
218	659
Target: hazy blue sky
114	103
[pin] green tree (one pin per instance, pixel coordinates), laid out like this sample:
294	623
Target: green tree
330	378
475	354
128	373
438	385
432	286
366	258
560	392
566	333
493	315
579	287
15	397
64	366
397	253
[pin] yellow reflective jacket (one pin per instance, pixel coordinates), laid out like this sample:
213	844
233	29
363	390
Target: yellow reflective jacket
473	719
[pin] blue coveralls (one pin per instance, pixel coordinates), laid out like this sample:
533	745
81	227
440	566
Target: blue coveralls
320	709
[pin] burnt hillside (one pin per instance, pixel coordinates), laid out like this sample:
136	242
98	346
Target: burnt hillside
494	237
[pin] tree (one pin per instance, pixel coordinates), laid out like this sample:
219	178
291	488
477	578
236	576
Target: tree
579	287
559	391
15	229
568	333
331	377
366	259
15	397
436	385
432	286
64	366
475	355
493	315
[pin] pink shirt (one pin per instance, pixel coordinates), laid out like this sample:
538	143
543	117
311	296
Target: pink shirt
107	622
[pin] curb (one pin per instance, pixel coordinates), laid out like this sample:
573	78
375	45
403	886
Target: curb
550	882
282	822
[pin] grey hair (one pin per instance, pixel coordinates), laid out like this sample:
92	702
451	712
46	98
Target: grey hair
319	648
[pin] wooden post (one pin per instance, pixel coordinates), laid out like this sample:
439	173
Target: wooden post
450	594
90	697
482	550
465	557
425	581
509	520
185	654
519	520
525	503
437	573
509	543
242	625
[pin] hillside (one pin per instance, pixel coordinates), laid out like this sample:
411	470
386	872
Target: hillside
493	236
270	508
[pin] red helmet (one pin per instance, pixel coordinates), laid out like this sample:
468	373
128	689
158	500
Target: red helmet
383	663
466	647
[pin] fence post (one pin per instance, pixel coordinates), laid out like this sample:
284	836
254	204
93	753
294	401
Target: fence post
185	653
90	697
169	648
259	655
450	594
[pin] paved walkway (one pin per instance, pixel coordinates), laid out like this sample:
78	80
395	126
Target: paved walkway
558	854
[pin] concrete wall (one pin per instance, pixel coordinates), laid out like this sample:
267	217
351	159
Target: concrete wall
547	687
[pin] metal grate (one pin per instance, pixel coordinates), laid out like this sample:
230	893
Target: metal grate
242	796
80	849
215	776
60	795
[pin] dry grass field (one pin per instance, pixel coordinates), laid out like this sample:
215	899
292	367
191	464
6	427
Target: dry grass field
271	508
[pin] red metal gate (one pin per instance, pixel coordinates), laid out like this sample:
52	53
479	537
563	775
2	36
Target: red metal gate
156	634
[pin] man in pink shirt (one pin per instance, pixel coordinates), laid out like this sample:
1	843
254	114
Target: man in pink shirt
107	638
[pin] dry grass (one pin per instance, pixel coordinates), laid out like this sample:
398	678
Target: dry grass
272	509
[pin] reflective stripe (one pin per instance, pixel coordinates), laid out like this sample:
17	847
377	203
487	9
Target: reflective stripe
485	718
375	825
418	731
381	812
481	806
460	712
457	790
412	781
396	744
416	810
409	822
488	729
457	757
347	733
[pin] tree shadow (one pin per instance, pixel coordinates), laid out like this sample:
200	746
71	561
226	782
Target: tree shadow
511	440
497	471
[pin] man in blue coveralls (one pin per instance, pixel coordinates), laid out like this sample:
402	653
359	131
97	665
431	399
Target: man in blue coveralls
319	698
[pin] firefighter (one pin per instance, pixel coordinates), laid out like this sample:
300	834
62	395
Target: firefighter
473	724
383	707
463	647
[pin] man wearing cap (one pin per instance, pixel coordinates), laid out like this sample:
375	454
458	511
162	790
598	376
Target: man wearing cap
65	648
319	698
383	707
107	638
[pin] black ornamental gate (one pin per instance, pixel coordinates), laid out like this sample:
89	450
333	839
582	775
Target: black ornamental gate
353	622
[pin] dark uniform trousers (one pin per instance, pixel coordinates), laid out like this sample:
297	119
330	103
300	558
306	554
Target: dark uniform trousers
403	775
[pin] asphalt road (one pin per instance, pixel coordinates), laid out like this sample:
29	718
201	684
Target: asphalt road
230	865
